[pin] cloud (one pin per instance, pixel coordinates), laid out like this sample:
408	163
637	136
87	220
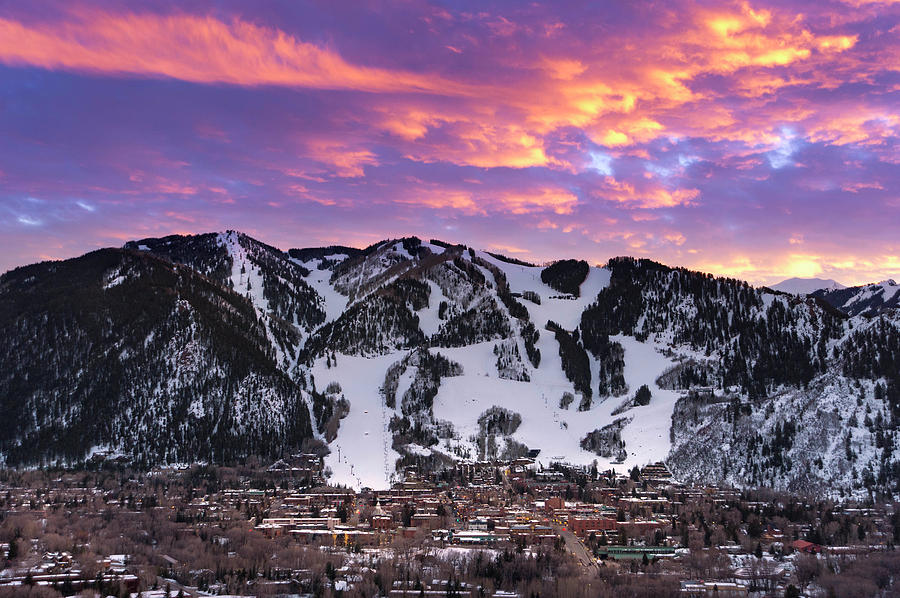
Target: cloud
645	194
200	49
724	136
28	220
558	201
342	160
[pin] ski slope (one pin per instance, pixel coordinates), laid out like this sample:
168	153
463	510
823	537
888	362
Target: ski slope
564	311
362	454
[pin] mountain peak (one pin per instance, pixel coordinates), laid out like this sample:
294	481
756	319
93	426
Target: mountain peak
806	286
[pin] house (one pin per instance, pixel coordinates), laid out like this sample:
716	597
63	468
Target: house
807	547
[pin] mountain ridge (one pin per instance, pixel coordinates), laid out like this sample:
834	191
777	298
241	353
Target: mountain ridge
457	332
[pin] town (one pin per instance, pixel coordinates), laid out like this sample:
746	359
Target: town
503	529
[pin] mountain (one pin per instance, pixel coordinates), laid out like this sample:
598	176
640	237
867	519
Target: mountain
806	286
415	353
126	351
870	299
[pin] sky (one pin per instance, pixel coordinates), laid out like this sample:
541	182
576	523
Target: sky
752	139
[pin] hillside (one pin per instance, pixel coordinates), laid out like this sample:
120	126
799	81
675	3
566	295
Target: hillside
125	351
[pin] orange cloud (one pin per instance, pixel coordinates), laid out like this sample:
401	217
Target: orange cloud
855	126
507	249
626	94
198	49
471	140
564	68
621	91
675	238
342	160
558	201
308	195
772	267
442	199
530	201
547	224
651	196
857	187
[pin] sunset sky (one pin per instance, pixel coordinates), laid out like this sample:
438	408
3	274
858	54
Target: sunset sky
753	139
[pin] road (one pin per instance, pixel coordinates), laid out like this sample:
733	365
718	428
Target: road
576	547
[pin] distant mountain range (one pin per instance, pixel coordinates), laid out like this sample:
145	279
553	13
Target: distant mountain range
216	347
869	299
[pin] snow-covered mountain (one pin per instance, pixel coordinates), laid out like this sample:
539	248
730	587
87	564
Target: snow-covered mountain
806	286
421	353
869	299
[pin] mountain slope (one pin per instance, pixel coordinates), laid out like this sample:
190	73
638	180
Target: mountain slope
869	300
123	350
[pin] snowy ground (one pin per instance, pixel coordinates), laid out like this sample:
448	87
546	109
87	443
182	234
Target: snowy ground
320	281
558	432
647	436
564	311
362	454
244	274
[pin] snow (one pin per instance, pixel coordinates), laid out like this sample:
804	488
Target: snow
196	408
404	382
252	276
647	436
887	289
358	281
435	249
105	450
399	249
429	322
462	399
564	311
417	449
767	299
362	454
452	553
558	433
805	286
115	281
320	281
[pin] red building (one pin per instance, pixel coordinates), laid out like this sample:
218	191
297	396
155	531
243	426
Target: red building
583	526
807	547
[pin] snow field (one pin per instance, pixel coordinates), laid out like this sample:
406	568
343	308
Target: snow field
361	455
320	281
